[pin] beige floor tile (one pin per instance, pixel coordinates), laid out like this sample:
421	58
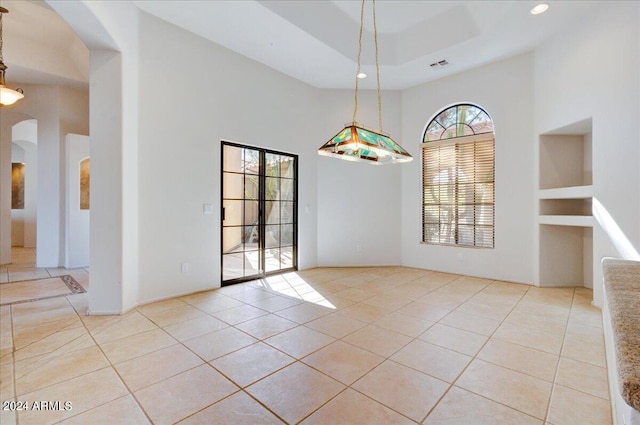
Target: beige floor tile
550	324
212	302
24	336
83	392
426	311
80	303
159	306
275	303
6	355
583	377
587	317
122	326
380	285
406	325
42	371
533	338
412	394
17	275
368	412
378	340
122	411
389	301
526	360
8	417
581	350
480	325
266	326
57	344
239	314
236	409
333	302
464	342
460	407
146	370
569	407
485	310
335	325
253	295
543	308
251	363
497	299
7	390
6	337
182	395
33	289
133	346
433	360
301	390
343	362
299	342
303	313
590	334
327	288
49	305
43	316
514	389
219	343
174	315
58	271
193	328
364	312
355	294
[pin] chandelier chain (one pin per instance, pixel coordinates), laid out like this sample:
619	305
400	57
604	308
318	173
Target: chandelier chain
375	38
1	58
355	95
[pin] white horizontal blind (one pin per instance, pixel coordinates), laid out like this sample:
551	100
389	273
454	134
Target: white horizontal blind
458	192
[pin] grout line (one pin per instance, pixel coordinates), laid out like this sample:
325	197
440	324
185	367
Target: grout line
555	375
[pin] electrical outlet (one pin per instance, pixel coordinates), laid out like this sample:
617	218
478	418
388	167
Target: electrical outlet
358	248
460	257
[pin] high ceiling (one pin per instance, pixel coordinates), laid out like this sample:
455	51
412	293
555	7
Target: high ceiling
314	41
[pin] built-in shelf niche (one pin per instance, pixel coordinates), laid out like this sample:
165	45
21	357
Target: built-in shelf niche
565	157
566	256
581	207
565	196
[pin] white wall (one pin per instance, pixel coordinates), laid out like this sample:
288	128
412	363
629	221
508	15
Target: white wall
504	90
572	83
359	204
77	220
208	94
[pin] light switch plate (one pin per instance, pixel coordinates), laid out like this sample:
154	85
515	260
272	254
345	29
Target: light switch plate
207	208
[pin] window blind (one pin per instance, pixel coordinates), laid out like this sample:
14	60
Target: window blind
458	191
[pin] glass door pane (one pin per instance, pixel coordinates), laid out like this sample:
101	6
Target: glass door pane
241	235
259	200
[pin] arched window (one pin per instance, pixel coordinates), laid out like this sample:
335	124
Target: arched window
458	170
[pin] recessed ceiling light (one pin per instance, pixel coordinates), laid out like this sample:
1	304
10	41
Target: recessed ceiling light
361	75
541	8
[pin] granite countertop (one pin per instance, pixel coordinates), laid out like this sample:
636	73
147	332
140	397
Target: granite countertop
622	286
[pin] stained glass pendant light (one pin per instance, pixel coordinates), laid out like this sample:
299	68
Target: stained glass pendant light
7	96
357	143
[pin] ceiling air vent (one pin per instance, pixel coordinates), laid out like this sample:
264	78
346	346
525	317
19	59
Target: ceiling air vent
439	64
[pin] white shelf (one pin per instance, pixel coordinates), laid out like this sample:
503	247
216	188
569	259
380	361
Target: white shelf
567	220
574	192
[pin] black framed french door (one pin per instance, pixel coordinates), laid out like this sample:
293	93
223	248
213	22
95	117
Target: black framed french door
259	234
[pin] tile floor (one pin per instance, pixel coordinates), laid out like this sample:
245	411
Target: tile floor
386	345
